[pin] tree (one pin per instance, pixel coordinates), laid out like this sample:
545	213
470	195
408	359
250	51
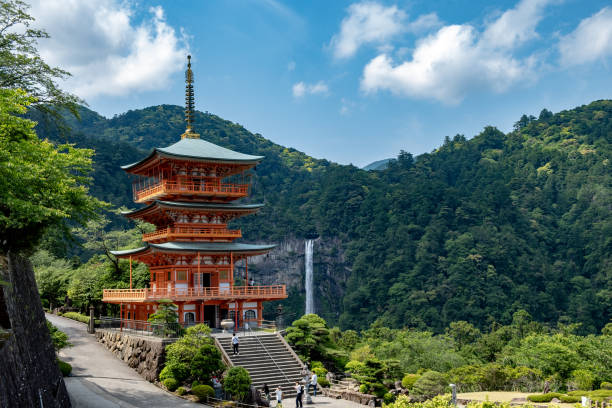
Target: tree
41	185
238	383
21	67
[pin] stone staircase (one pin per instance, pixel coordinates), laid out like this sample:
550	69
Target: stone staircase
268	359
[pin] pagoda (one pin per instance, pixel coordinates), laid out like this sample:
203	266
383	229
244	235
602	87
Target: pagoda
190	190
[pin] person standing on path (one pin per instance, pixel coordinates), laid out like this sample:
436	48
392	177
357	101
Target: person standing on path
235	344
298	396
217	387
266	391
313	383
279	397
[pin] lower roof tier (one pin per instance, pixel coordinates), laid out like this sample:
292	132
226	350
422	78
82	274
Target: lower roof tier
203	248
220	294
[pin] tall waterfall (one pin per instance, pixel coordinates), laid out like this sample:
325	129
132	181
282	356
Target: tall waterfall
308	283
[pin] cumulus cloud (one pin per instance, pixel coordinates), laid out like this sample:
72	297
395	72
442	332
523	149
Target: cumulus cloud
458	58
301	89
590	41
106	51
366	22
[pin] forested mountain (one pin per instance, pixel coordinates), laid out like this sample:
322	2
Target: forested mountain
475	230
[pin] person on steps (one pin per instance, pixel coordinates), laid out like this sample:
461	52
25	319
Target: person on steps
279	397
298	397
235	344
313	383
266	391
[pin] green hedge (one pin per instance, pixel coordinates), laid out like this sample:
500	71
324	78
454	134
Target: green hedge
64	367
203	392
181	391
543	397
570	399
76	316
171	384
606	385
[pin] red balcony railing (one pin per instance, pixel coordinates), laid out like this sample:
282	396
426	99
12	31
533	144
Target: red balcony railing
186	233
189	188
270	292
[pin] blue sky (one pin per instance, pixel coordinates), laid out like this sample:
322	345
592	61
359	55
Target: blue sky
350	81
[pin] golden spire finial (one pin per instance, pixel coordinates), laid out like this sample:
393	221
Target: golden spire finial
189	99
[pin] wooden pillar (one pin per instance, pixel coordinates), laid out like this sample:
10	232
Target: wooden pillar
130	272
235	314
202	312
231	269
246	262
180	312
120	316
240	313
259	313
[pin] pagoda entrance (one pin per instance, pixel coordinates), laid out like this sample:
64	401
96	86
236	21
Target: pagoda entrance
210	315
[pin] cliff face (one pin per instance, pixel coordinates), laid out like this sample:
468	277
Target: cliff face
285	265
29	375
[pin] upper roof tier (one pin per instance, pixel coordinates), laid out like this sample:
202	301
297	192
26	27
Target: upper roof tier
194	150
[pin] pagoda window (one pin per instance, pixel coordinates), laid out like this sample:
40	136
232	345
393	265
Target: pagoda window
169	275
181	275
223	275
250	315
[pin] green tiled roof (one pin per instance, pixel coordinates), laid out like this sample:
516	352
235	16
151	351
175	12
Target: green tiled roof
202	206
200	150
203	247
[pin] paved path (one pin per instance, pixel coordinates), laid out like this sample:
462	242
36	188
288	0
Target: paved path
100	380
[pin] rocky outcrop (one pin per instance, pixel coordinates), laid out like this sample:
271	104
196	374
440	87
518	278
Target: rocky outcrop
145	355
29	376
285	264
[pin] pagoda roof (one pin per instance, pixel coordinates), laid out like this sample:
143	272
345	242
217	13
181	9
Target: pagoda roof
202	247
231	207
200	150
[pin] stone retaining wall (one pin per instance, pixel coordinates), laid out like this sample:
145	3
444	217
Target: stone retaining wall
145	355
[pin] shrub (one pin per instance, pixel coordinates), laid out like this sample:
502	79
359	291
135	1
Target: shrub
440	401
409	380
570	399
178	371
363	389
195	384
583	379
58	337
64	367
606	385
388	398
430	384
171	384
203	392
206	362
578	393
319	371
238	383
322	382
77	316
543	397
181	391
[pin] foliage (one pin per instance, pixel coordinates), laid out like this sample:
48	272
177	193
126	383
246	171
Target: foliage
166	314
58	337
41	185
409	380
606	385
582	379
171	384
193	357
437	402
237	382
76	316
310	337
543	397
20	64
203	392
430	384
64	367
570	399
181	391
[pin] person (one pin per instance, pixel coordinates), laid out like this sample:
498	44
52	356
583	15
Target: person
266	391
279	397
313	383
298	396
252	282
235	344
218	387
305	375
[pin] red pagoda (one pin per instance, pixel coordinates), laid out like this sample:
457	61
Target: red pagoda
190	189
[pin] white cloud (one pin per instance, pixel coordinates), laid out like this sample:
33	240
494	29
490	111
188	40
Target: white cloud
300	89
105	50
590	41
456	59
424	23
366	22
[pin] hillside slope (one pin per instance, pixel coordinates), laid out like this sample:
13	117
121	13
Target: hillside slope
473	231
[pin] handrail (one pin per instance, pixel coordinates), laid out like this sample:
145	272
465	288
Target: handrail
224	354
185	187
187	231
277	291
271	358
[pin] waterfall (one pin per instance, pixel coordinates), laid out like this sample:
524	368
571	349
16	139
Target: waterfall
308	282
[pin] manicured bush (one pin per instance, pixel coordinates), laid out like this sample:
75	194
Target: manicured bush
171	384
206	362
319	371
430	384
238	383
64	367
195	384
181	391
178	371
322	382
203	392
76	316
363	389
570	399
409	380
543	397
388	398
606	385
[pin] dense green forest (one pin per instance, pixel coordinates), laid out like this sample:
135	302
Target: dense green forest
474	231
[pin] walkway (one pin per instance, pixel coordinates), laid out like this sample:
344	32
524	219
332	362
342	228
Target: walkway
100	380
